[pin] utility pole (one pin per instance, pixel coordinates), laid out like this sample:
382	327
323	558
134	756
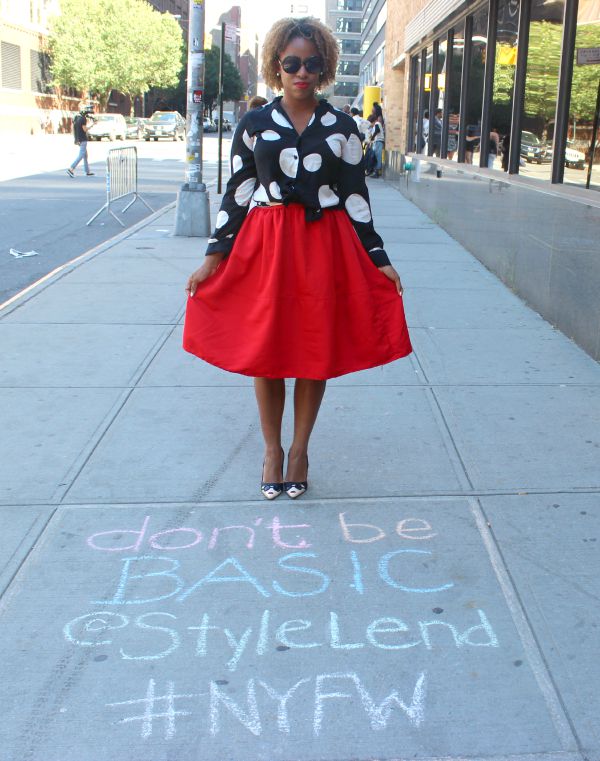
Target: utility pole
193	216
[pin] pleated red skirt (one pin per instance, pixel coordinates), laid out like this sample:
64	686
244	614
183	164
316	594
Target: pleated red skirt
296	299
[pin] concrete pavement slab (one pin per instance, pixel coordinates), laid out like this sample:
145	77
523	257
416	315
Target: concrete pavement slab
463	308
113	303
189	442
428	274
502	355
526	437
315	631
132	269
550	545
49	428
73	355
399	252
21	528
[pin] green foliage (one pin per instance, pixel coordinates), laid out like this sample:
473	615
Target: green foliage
543	64
585	78
233	87
103	45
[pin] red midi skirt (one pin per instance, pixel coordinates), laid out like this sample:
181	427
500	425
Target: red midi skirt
296	299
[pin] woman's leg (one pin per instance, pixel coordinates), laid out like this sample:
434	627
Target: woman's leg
307	400
270	395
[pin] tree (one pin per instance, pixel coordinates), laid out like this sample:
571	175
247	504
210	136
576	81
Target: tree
585	78
103	45
233	87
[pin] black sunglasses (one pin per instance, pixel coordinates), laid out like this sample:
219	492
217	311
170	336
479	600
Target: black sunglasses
292	64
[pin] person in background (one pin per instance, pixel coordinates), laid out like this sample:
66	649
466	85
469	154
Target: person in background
80	128
471	143
346	108
377	138
362	124
256	101
494	148
436	132
424	133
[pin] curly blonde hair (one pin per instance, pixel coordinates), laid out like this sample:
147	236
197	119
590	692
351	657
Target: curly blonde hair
286	29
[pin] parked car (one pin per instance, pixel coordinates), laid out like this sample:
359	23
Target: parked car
573	157
226	124
112	126
167	124
208	125
135	127
532	148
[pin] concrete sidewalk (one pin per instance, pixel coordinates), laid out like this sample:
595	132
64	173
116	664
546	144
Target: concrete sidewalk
433	596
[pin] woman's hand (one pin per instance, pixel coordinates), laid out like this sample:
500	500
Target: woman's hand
210	266
390	272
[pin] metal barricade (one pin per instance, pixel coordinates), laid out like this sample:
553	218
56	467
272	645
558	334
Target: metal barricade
121	180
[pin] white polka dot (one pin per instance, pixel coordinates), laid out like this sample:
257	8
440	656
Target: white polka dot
222	218
260	194
236	163
358	208
270	134
213	240
275	190
327	197
244	191
336	142
352	152
377	248
288	161
312	162
328	119
249	141
311	120
280	119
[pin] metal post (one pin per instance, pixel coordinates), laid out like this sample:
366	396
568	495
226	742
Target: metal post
421	101
594	137
488	83
433	94
514	154
565	80
413	74
464	88
447	89
221	66
193	217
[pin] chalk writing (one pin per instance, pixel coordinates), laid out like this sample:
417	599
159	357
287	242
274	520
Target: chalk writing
212	638
336	686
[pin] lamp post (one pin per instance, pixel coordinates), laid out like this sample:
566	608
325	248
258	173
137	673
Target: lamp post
192	218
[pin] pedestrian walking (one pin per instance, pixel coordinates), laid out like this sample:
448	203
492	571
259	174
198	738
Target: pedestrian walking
377	139
80	128
296	282
257	101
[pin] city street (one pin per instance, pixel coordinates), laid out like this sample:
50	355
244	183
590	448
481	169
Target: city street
44	210
432	596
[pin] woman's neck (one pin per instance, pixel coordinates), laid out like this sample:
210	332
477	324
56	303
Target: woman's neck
299	107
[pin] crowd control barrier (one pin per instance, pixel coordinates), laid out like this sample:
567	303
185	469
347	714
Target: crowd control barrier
121	180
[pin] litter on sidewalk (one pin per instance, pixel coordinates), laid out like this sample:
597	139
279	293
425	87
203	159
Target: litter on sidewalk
23	254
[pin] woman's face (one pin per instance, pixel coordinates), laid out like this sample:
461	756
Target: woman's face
300	85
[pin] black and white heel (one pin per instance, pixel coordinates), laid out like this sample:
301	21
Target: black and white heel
295	489
271	490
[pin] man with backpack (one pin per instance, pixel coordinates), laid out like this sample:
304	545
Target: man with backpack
80	128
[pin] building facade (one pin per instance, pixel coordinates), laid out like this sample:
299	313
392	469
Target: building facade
344	18
372	49
28	104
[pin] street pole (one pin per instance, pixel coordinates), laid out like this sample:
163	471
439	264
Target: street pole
192	218
593	141
221	64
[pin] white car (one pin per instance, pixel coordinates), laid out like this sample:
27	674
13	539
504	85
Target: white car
112	126
573	157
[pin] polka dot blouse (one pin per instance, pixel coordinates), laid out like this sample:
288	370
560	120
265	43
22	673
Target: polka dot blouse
321	169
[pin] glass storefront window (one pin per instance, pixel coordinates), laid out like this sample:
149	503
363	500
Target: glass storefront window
541	86
424	136
507	38
415	74
476	77
453	93
349	5
584	92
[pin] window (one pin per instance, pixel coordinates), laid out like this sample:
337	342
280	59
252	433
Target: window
507	38
475	87
348	25
11	65
453	92
349	5
350	47
541	85
347	89
583	100
348	68
40	72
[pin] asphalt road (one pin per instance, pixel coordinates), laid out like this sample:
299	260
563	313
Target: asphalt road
47	212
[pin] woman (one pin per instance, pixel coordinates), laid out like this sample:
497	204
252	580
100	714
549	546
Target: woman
377	141
295	283
494	148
